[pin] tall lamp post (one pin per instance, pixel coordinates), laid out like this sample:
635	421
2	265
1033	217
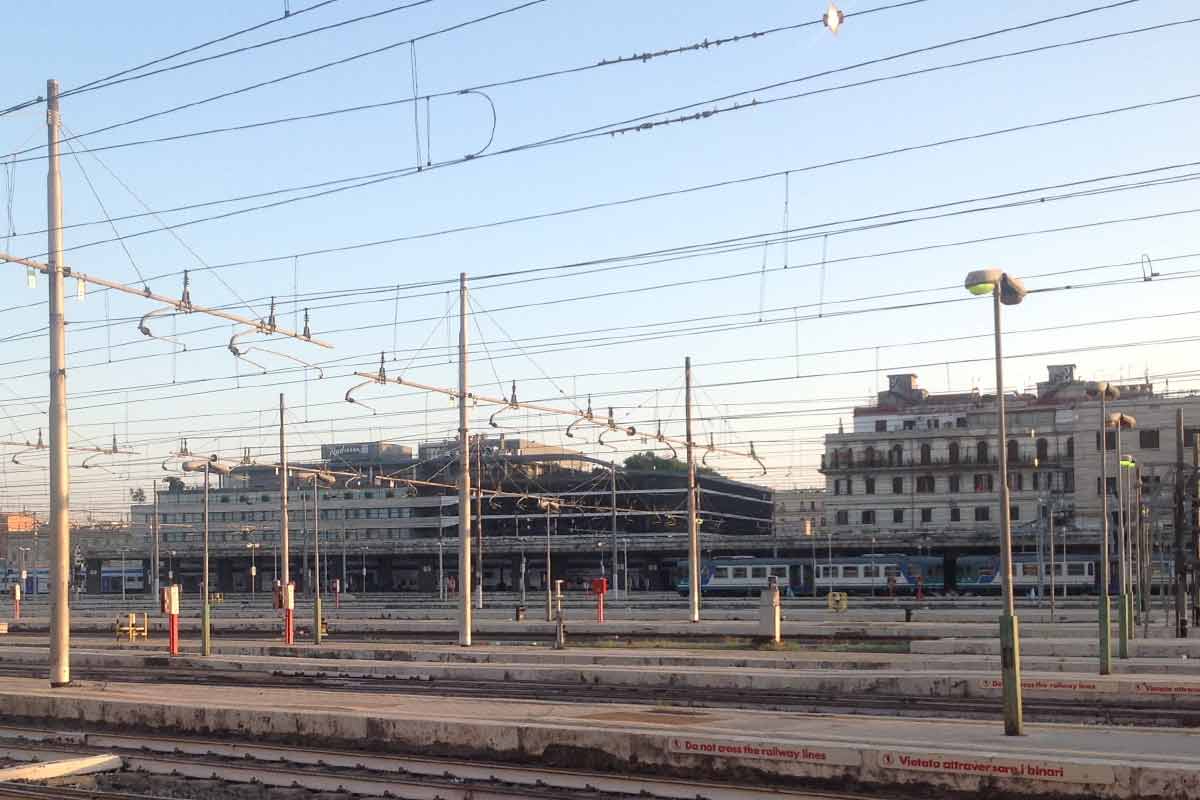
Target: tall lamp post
1104	392
318	479
207	466
548	505
1009	291
1126	465
252	546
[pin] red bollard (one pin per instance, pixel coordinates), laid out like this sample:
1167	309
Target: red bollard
285	599
169	605
599	587
920	587
16	598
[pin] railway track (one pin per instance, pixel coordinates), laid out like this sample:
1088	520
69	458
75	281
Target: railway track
172	762
1036	709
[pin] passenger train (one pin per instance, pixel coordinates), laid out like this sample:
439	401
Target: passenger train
743	576
893	573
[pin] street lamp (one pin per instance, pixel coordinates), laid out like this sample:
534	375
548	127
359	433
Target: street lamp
1104	392
1008	291
548	505
252	546
1126	464
318	479
207	466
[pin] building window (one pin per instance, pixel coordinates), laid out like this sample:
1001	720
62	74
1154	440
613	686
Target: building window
1112	486
1043	450
1148	439
1014	452
925	454
955	484
842	518
897	485
897	515
955	516
1110	440
896	456
1070	447
953	453
983	513
1014	512
925	484
869	485
926	515
983	482
1016	481
868	517
961	422
981	452
869	456
910	424
881	426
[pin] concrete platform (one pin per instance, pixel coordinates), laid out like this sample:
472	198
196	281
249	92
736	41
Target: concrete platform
1073	647
830	680
585	626
785	749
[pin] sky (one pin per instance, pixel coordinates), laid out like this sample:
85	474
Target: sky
785	336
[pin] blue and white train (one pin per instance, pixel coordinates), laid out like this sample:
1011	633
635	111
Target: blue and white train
744	576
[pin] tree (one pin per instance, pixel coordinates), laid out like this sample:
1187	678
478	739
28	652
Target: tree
649	462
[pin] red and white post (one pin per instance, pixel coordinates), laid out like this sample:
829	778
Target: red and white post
289	614
16	600
170	607
600	587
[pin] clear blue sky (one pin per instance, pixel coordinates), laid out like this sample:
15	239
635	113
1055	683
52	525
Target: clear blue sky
77	42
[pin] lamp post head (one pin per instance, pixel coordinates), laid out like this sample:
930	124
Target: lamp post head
1102	389
210	464
833	18
986	281
1128	461
1122	421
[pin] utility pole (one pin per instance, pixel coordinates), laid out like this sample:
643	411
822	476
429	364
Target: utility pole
316	560
60	476
156	540
205	587
1122	562
288	619
464	474
479	519
1194	556
613	495
1105	606
1181	620
693	525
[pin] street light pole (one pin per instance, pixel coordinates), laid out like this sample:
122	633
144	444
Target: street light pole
465	621
693	522
1009	291
205	612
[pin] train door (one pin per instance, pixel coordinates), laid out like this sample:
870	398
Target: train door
796	580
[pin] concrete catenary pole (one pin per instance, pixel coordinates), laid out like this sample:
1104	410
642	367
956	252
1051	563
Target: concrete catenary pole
693	523
464	475
156	556
205	585
60	477
1105	607
284	550
1123	579
316	560
613	498
1181	621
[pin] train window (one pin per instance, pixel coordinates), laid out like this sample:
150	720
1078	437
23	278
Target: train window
1029	570
721	572
1058	568
779	572
739	572
891	571
758	572
850	572
1076	568
828	572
